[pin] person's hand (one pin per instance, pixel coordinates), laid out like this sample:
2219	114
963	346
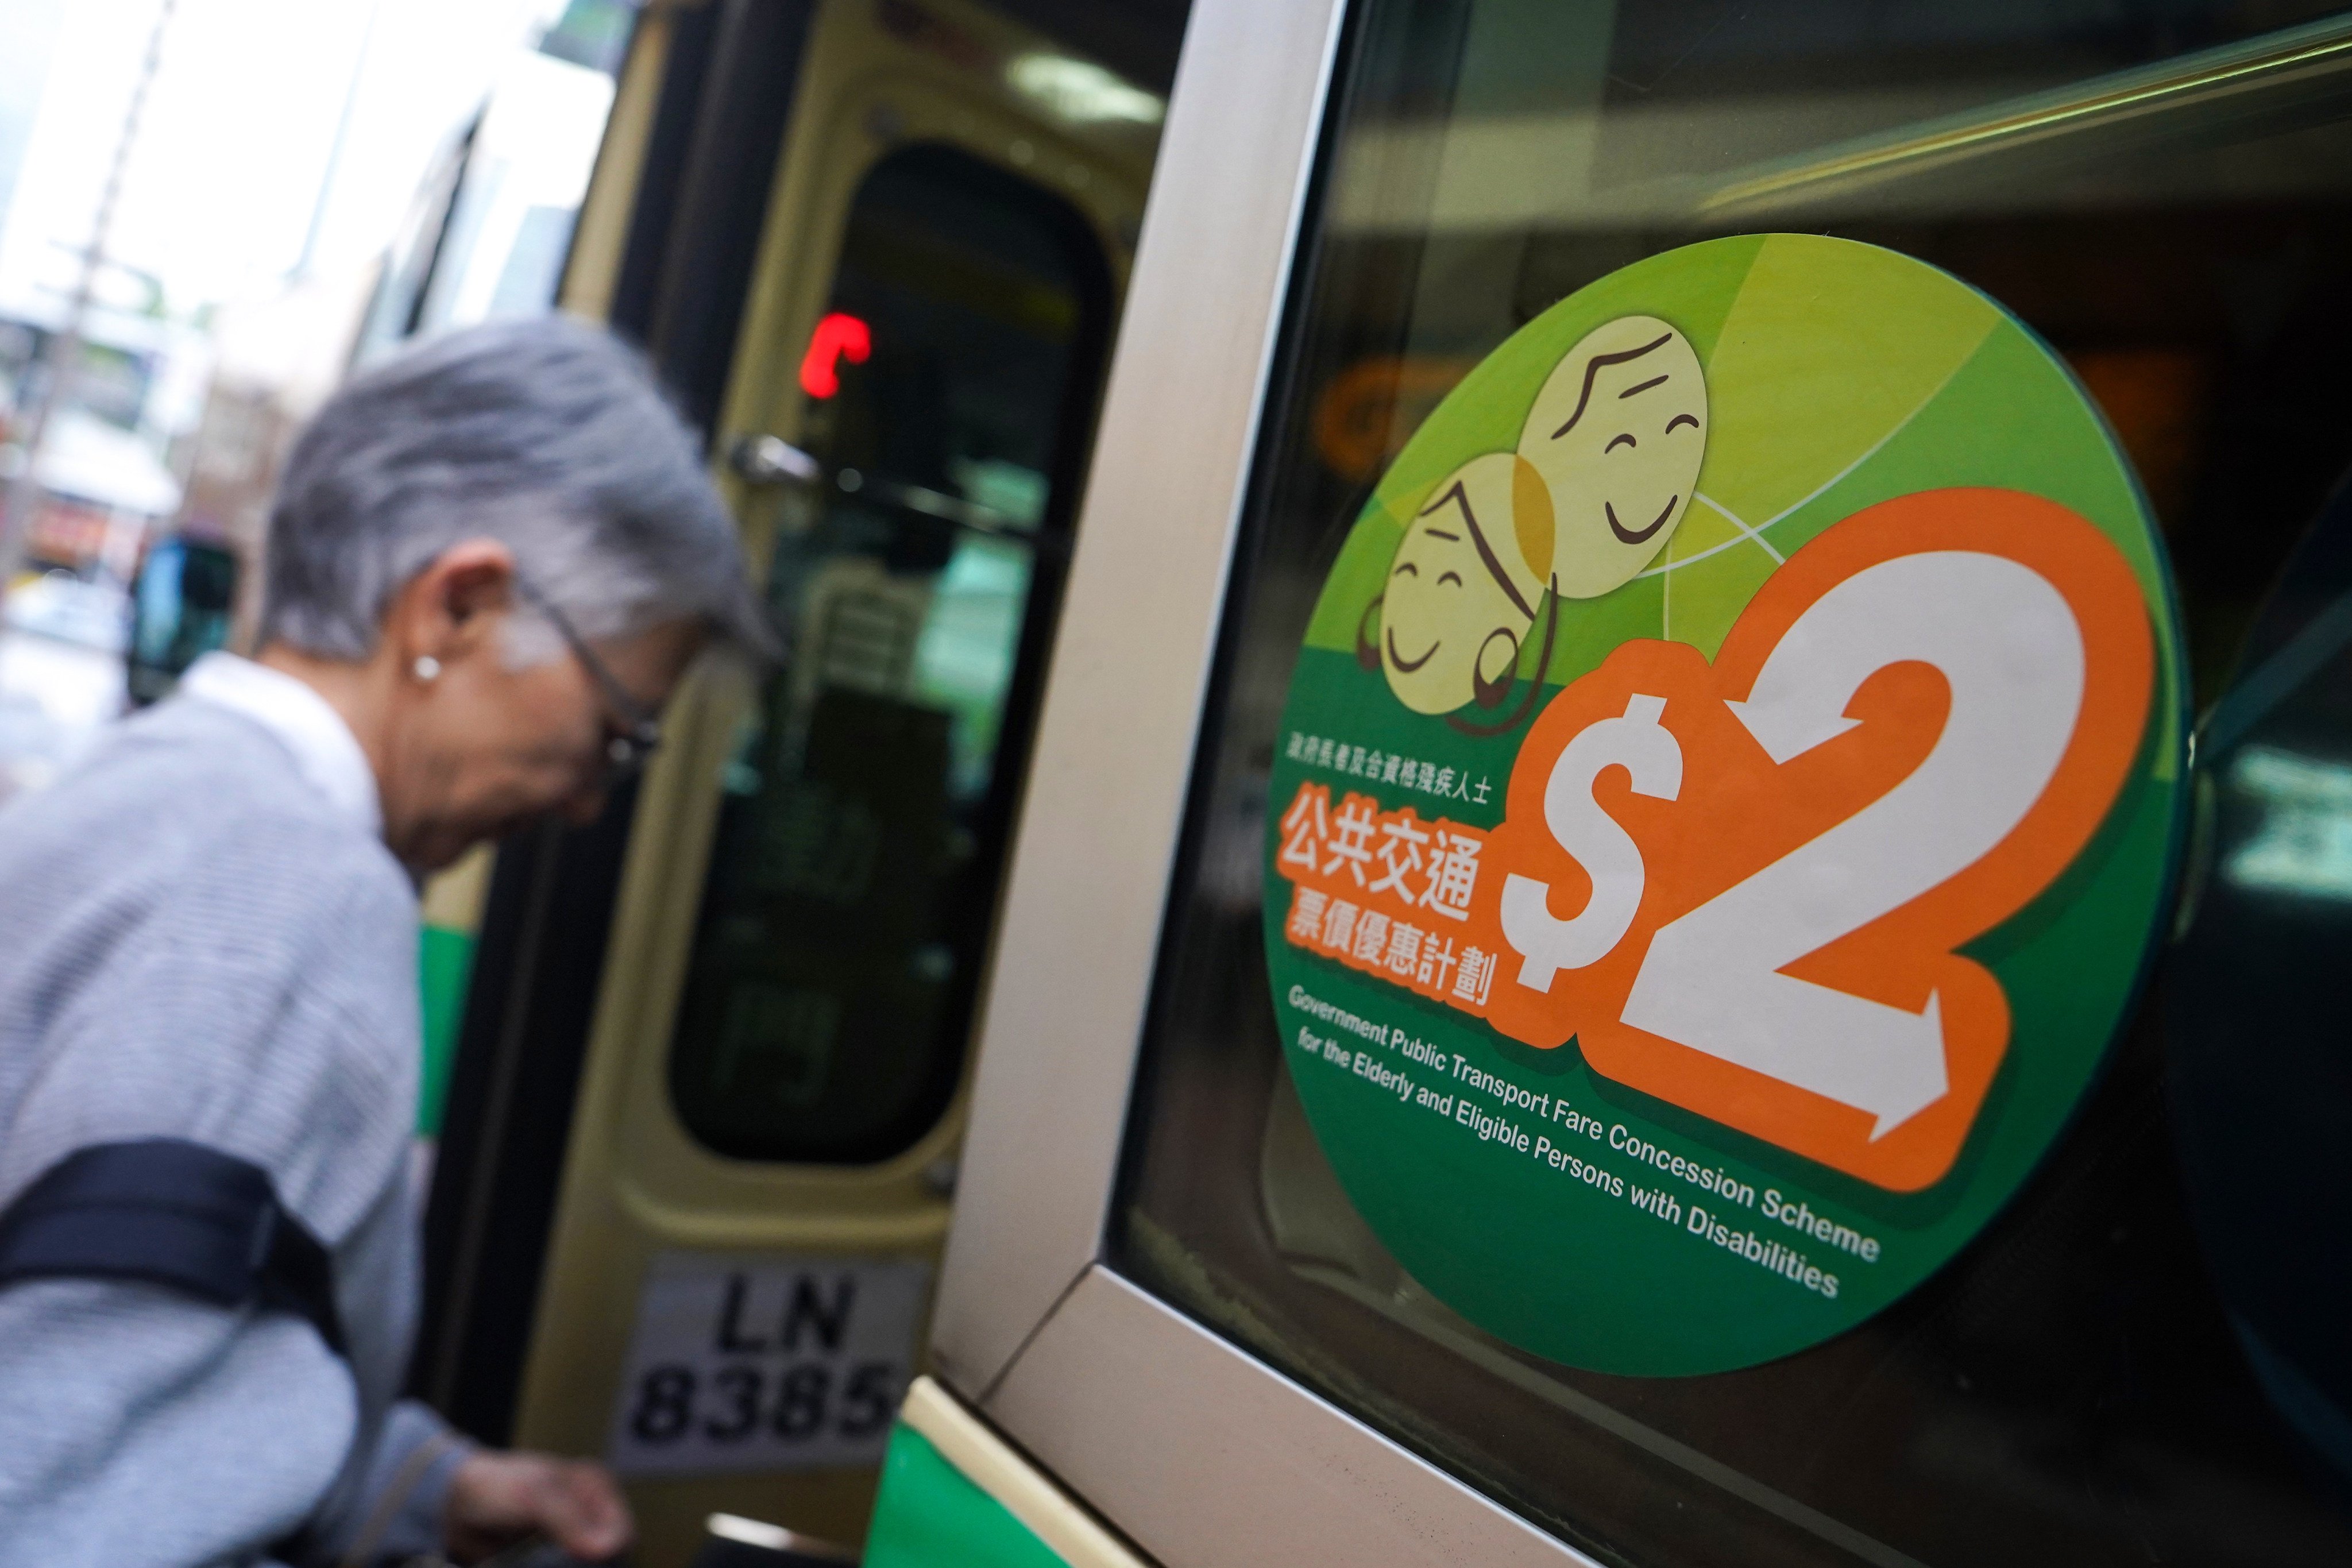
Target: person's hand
497	1498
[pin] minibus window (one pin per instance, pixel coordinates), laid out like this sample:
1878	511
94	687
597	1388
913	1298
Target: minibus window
182	606
2160	193
951	378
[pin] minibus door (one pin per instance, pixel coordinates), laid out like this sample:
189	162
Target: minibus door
739	1249
1607	989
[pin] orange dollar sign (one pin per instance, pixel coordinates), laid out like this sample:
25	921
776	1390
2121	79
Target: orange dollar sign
1740	886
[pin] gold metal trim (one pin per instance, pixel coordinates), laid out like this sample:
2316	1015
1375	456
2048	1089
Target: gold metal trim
1027	1493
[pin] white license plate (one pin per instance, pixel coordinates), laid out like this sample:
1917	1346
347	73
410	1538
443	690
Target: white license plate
766	1363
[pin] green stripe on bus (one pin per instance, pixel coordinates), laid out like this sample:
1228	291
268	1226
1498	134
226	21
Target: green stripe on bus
930	1515
444	961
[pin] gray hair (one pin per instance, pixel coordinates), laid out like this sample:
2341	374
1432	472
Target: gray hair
547	434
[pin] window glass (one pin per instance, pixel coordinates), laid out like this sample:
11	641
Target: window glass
491	226
2159	190
180	608
861	835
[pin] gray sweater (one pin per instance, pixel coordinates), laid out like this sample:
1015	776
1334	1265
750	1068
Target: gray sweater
195	942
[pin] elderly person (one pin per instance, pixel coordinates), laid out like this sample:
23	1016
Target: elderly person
490	562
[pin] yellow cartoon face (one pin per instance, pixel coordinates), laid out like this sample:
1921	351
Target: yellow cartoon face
1617	433
1460	594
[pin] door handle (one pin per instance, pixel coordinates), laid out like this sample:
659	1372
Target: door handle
772	460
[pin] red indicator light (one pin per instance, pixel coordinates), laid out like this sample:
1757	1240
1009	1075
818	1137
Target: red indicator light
838	337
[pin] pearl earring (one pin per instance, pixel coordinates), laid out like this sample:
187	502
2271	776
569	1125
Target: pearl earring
427	667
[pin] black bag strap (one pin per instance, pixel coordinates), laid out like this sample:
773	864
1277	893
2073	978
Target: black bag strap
176	1214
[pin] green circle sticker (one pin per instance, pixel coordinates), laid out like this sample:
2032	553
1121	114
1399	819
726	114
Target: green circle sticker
1724	798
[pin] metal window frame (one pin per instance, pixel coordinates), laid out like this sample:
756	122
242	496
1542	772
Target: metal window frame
1197	1450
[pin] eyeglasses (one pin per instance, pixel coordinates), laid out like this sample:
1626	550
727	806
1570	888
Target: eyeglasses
636	733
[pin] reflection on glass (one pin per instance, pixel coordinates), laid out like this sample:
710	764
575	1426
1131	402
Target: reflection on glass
2258	1081
963	659
2305	843
861	834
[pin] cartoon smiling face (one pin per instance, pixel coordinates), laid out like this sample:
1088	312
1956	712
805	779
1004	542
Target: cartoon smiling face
1460	594
1617	433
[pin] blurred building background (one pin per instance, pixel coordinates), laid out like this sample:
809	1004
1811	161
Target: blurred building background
304	184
